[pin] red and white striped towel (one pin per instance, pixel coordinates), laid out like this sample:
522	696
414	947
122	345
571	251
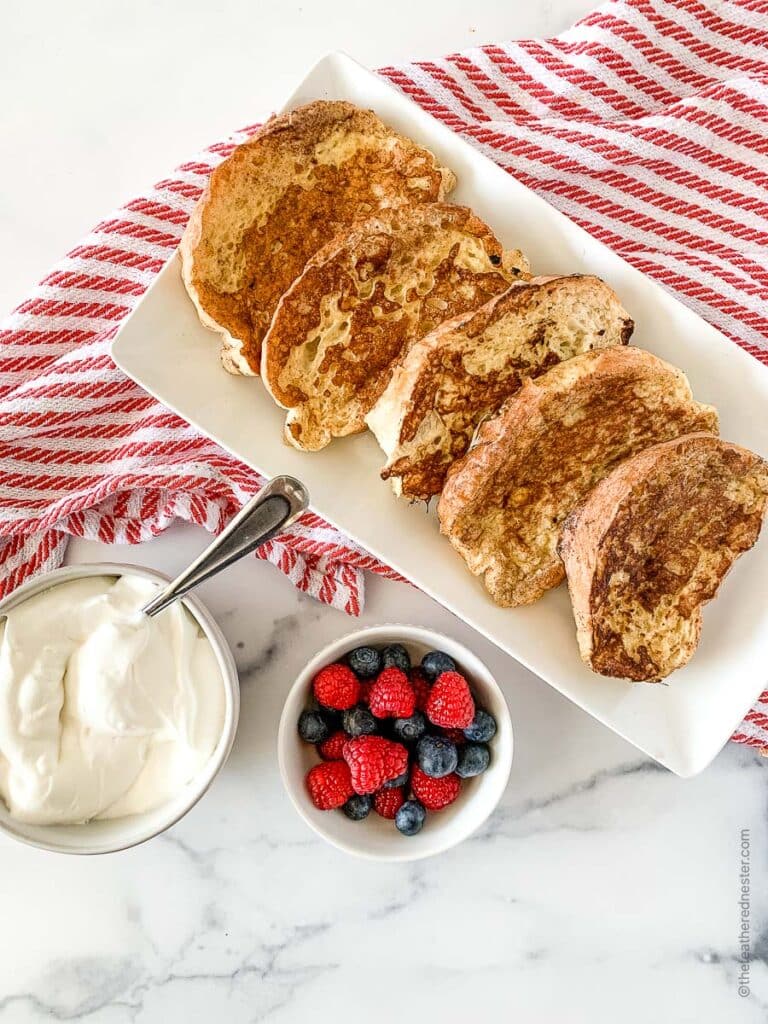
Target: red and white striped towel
646	123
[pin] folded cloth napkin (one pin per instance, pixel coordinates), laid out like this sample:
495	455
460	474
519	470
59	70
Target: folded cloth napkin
646	123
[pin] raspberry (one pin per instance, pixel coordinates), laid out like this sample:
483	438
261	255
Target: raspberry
387	802
365	691
336	686
421	687
332	748
434	793
392	695
450	703
373	761
329	784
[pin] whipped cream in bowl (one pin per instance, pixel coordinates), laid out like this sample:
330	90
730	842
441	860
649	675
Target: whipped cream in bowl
112	724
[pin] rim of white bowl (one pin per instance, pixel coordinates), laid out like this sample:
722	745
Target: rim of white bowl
287	734
230	680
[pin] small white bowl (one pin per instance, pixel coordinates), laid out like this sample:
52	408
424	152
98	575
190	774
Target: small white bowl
115	834
377	838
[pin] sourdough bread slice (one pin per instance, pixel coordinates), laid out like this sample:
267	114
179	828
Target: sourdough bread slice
281	196
461	372
363	300
504	503
651	544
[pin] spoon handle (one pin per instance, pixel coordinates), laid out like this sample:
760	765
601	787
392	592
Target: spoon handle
279	503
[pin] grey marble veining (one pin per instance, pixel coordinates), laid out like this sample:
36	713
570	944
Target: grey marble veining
603	888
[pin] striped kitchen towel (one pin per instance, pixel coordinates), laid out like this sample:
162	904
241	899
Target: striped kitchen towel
646	123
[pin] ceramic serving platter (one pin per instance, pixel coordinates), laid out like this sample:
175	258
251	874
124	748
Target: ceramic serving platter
683	724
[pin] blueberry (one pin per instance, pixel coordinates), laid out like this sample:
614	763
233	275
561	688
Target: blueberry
437	756
408	730
358	807
365	662
359	721
482	727
401	780
474	758
396	656
435	663
409	818
313	727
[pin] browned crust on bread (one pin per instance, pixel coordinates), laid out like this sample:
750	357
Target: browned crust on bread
362	301
504	503
462	371
282	195
651	544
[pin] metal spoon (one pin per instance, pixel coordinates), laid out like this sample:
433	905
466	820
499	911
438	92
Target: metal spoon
278	504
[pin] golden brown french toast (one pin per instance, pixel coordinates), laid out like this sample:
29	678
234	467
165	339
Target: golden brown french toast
462	372
363	300
651	545
280	197
504	503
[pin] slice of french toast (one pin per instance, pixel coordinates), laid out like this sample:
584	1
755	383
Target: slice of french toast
462	372
363	300
505	501
651	544
278	198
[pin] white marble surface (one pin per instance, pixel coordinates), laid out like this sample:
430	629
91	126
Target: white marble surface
603	890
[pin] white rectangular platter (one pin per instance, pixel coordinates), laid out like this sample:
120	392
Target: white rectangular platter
684	724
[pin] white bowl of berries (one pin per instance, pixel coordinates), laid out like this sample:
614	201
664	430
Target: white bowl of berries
395	743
